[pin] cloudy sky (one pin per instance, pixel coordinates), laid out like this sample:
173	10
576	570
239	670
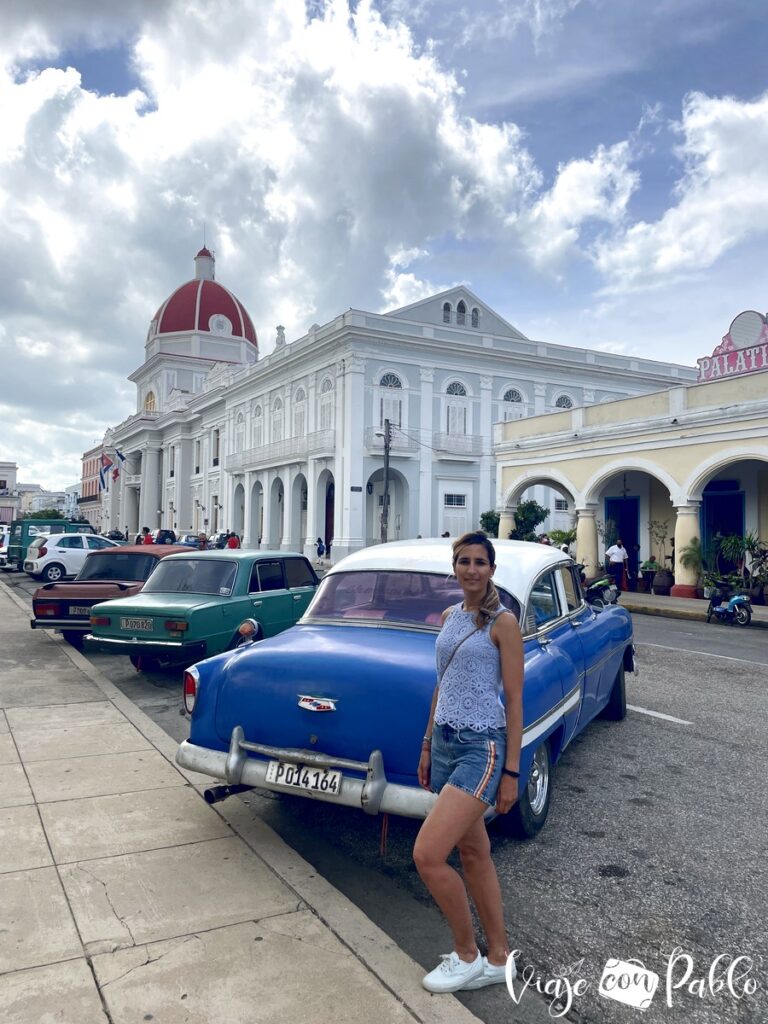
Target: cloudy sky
596	170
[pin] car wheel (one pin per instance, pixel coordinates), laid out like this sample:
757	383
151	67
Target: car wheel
53	573
73	638
143	663
742	616
616	708
526	819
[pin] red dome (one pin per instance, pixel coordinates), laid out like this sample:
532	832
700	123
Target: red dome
201	305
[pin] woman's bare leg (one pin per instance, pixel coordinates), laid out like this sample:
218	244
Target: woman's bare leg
483	884
452	816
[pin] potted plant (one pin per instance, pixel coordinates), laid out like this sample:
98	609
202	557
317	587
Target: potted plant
663	581
692	557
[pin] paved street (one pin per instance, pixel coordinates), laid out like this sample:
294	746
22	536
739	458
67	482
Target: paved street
655	839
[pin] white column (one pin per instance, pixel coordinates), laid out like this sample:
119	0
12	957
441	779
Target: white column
686	530
486	496
309	542
351	444
150	488
247	541
540	399
427	375
506	521
266	504
288	543
586	539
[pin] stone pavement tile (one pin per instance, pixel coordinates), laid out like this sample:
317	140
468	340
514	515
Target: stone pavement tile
16	691
37	927
22	840
286	970
59	716
78	741
107	826
145	897
8	753
100	775
57	994
14	788
3	723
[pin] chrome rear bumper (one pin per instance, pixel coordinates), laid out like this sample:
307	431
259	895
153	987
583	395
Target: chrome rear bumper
372	794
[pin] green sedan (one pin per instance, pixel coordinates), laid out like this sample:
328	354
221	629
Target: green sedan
192	606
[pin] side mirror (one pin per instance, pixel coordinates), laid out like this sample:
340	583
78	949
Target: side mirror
248	632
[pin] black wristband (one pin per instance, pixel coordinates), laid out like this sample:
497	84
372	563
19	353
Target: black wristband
510	772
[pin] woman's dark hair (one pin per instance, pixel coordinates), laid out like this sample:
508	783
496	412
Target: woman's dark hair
491	601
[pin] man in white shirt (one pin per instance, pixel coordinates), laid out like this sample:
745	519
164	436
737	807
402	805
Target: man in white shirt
617	556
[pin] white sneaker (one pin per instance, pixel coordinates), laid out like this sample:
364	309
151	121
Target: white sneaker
453	973
493	974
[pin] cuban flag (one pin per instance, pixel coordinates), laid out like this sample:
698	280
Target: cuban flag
120	464
106	464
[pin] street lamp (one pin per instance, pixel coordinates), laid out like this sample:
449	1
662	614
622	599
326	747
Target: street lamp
386	433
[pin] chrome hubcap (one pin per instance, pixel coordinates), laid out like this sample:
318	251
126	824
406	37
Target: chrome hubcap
538	782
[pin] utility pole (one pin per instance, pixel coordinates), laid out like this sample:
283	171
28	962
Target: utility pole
385	498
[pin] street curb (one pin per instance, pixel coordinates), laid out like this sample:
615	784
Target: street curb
678	613
378	953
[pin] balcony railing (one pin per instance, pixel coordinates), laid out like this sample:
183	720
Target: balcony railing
88	498
399	441
459	444
290	449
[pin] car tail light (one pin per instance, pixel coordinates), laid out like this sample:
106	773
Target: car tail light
46	609
177	625
191	681
100	620
41	552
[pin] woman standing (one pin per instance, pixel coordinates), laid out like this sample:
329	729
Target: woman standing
470	756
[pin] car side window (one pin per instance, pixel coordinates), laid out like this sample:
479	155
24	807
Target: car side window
270	576
96	543
253	582
572	595
70	540
298	573
543	605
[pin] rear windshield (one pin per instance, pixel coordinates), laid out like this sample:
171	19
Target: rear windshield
418	598
117	566
192	576
37	543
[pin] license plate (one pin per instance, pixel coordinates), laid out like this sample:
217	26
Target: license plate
300	776
79	609
141	624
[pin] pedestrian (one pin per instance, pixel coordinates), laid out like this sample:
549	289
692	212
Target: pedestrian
617	556
544	539
202	541
146	536
233	541
320	547
470	757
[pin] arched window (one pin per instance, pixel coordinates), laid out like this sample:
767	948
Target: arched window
461	313
240	433
513	405
446	312
299	412
258	427
563	402
390	405
326	404
277	420
456	409
475	317
149	402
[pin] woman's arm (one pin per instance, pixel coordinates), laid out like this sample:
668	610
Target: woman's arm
510	643
425	761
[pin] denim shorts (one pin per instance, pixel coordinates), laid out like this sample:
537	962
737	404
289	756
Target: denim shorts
469	760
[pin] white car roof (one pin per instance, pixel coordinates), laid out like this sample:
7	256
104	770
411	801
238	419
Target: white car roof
518	562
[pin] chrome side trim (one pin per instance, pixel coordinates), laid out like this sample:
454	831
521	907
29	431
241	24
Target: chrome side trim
135	642
542	725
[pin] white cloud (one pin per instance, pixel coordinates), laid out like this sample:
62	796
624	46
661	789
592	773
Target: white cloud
721	198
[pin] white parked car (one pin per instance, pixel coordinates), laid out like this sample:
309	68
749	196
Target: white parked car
55	556
5	533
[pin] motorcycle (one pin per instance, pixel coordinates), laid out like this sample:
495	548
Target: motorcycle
600	591
726	606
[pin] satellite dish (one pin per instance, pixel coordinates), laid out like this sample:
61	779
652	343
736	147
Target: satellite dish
746	329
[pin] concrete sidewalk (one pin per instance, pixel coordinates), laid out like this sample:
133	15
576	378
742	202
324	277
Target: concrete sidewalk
681	607
125	898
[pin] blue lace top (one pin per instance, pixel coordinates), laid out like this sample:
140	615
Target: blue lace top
470	694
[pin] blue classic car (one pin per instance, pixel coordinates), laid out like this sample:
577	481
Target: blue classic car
335	708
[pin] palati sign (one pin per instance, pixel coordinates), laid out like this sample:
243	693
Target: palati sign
744	349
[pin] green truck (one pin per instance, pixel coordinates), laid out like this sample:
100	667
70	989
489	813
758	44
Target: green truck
24	531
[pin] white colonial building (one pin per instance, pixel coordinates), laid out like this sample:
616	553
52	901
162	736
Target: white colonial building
289	448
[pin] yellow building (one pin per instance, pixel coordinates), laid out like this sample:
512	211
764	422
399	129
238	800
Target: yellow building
694	457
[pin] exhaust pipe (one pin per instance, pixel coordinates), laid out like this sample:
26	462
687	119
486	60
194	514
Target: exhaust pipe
216	794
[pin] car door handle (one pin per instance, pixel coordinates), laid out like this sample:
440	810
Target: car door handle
545	641
577	624
297	597
256	604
